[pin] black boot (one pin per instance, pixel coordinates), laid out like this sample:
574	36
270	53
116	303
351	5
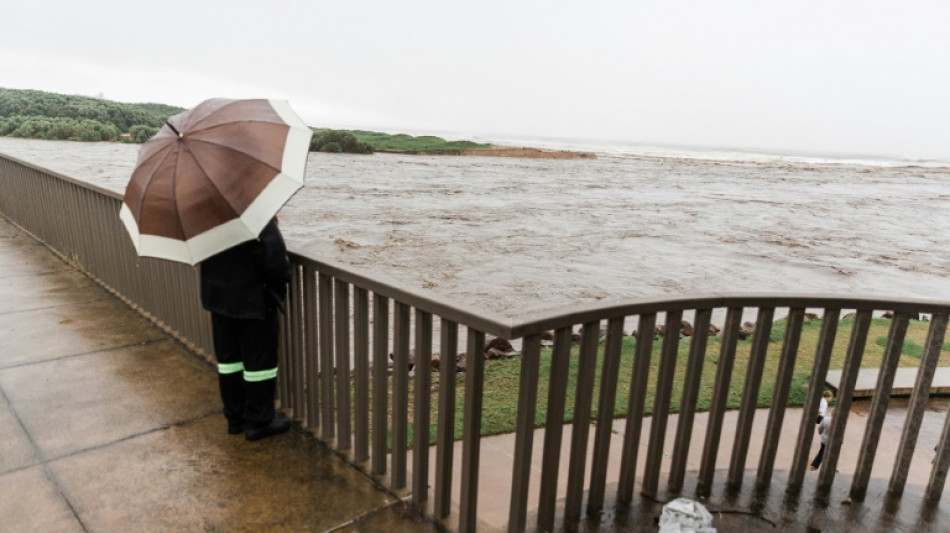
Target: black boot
279	424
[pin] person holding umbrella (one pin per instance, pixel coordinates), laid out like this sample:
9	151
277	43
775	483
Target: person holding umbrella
243	287
206	189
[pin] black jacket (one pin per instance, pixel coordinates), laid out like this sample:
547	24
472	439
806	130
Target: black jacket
248	280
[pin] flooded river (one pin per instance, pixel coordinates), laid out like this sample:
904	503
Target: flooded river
514	235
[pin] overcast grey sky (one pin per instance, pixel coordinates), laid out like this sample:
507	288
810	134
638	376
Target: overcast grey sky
851	77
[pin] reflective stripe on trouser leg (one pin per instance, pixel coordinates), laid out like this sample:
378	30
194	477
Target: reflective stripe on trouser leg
259	386
260	375
230	368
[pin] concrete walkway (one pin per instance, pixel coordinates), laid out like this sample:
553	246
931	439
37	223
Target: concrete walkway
107	424
747	509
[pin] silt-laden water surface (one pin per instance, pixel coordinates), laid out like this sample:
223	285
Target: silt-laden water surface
513	235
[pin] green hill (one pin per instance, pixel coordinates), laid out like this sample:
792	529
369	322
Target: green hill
401	142
44	115
36	114
364	142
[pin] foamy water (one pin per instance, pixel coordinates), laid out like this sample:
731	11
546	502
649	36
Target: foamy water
519	234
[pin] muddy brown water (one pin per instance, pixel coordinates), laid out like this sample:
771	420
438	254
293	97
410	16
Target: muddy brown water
514	235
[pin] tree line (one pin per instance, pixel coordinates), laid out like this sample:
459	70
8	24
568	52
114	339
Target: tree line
34	114
338	141
44	115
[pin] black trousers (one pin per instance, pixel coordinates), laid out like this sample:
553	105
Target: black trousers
821	453
246	350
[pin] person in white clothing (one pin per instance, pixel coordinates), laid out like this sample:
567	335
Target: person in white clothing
823	405
824	427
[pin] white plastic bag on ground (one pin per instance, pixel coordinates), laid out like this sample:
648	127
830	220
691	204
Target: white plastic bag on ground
684	515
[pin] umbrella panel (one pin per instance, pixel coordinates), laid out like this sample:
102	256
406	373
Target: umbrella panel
217	111
190	193
264	142
222	185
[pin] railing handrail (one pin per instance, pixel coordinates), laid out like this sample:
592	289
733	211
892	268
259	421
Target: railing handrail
64	177
514	327
535	322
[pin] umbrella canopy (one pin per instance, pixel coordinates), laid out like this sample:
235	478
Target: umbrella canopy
213	177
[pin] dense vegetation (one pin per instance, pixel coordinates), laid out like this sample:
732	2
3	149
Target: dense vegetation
403	143
44	115
367	142
338	141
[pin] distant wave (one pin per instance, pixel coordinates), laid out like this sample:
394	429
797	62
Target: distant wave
627	149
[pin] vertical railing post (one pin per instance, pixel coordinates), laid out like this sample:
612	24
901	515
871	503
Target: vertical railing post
839	419
633	425
472	430
325	316
422	399
554	428
400	417
342	320
717	407
783	381
938	475
583	398
308	346
694	373
750	395
661	402
918	403
380	383
524	433
361	374
882	394
445	449
605	415
806	431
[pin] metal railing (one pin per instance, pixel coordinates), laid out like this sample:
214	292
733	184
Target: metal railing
342	325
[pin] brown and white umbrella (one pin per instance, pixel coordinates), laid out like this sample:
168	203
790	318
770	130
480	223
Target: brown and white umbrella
213	177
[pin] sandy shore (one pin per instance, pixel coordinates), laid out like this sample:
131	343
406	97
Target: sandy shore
504	151
533	153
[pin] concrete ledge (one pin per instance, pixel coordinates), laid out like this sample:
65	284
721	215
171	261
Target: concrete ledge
904	381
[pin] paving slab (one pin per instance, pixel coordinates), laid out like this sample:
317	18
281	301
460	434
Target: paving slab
92	326
45	290
24	255
80	402
32	502
196	477
16	450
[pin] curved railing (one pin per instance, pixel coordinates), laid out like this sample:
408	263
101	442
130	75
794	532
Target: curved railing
344	325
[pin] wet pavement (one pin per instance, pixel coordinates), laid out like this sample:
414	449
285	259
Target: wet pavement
108	424
746	509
